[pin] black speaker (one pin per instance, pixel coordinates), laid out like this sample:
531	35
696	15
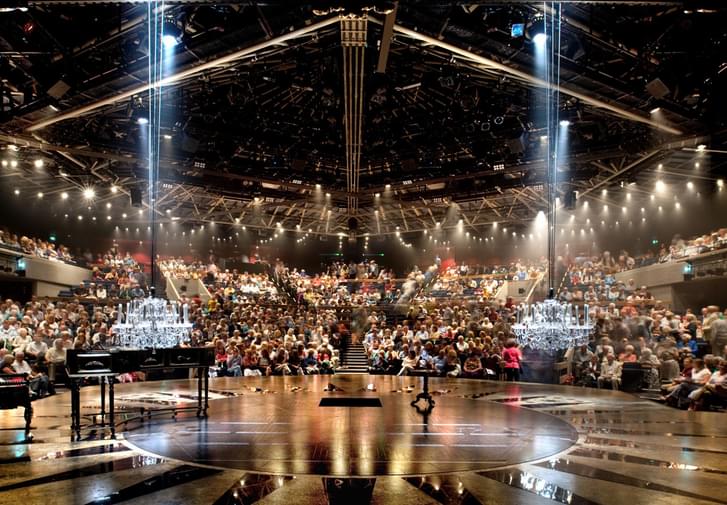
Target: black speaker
569	200
135	195
352	224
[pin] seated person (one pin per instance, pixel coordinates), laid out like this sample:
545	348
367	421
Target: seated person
610	372
699	376
473	366
715	389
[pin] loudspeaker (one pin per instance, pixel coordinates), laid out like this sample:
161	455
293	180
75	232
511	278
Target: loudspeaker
135	195
518	145
408	164
59	89
189	144
657	88
569	200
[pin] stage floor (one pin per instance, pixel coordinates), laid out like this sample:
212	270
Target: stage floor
268	441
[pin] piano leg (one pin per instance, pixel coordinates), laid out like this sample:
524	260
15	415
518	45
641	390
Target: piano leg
199	392
102	382
28	418
205	372
76	409
112	422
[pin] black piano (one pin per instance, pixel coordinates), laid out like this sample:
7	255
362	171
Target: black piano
105	365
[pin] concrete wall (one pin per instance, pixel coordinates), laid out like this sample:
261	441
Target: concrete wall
654	275
194	286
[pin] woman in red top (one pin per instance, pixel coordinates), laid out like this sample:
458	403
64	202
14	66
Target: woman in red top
512	357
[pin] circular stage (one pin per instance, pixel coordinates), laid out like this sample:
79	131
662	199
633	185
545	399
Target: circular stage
279	425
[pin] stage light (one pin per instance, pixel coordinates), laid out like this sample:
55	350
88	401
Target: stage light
660	186
720	183
517	30
167	136
123	215
388	186
696	164
40	194
64	196
701	147
89	193
169	41
13	163
564	123
114	189
328	195
142	121
80	217
655	110
678	205
604	192
5	163
141	212
377	195
540	39
690	185
660	166
38	163
108	205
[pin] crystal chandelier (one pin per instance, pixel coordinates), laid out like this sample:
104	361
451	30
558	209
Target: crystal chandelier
151	323
551	325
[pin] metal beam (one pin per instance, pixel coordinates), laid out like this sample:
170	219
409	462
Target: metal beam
494	65
184	74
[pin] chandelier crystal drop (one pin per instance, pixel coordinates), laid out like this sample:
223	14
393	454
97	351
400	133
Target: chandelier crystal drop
551	325
151	323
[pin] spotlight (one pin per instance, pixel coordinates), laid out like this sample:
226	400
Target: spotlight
540	39
660	186
13	163
38	163
701	147
114	189
720	183
142	121
89	193
64	196
564	123
40	194
5	163
171	34
655	110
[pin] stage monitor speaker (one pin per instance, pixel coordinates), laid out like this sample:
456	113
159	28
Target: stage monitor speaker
135	195
657	88
569	200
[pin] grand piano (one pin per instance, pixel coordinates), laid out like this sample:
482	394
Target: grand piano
105	365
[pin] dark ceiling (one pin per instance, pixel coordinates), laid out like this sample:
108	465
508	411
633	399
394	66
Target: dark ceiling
248	141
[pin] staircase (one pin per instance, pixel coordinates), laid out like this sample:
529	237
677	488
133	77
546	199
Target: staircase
353	359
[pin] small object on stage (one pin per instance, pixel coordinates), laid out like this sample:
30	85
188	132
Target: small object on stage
424	395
